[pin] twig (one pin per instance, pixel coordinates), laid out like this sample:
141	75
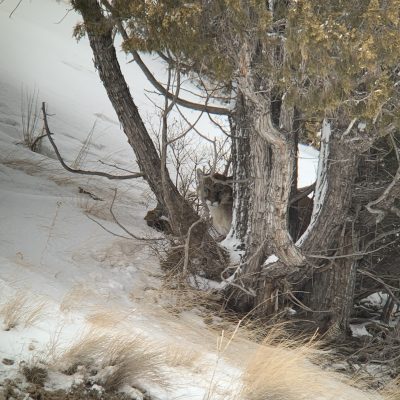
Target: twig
115	166
153	80
15	9
385	285
79	171
38	139
123	227
65	15
213	142
106	229
356	254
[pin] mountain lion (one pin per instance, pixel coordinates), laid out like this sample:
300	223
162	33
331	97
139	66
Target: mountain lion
216	192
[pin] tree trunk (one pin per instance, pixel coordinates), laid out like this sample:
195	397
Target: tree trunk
329	292
241	173
99	30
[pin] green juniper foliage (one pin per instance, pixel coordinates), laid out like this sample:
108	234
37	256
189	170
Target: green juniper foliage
329	58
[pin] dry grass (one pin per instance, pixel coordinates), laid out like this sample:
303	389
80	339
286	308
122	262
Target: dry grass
392	391
275	373
30	117
177	356
21	309
178	296
107	319
282	369
73	298
35	374
117	359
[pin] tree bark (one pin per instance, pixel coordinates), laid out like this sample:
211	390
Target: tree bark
242	180
330	286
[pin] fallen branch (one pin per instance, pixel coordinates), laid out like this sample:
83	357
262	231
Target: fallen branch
80	171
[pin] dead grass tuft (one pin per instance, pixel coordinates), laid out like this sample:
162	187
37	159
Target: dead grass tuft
21	309
178	296
177	356
131	359
274	373
117	359
282	368
107	319
35	374
73	298
392	391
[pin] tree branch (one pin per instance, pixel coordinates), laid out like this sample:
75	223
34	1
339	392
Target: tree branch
153	80
302	192
79	171
123	227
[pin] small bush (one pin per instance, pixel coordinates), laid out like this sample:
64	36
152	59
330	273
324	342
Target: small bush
35	374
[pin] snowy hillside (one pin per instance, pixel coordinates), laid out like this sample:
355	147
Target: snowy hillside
83	306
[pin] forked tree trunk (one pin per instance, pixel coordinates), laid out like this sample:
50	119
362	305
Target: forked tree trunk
270	172
99	30
331	288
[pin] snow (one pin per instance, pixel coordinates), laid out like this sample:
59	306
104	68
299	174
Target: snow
359	330
321	181
69	276
271	259
376	300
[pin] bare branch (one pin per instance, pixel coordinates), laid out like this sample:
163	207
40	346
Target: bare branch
213	142
64	16
384	203
15	9
356	255
106	229
387	287
153	80
186	131
303	192
115	166
79	171
123	227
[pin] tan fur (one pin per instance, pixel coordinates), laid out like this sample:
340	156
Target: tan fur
216	193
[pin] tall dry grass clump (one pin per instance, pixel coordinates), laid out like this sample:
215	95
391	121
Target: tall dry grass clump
30	117
116	358
21	309
392	391
281	369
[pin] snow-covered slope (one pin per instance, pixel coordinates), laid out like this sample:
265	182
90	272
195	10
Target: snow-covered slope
63	278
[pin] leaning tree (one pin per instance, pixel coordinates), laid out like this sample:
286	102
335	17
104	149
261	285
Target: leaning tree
286	65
